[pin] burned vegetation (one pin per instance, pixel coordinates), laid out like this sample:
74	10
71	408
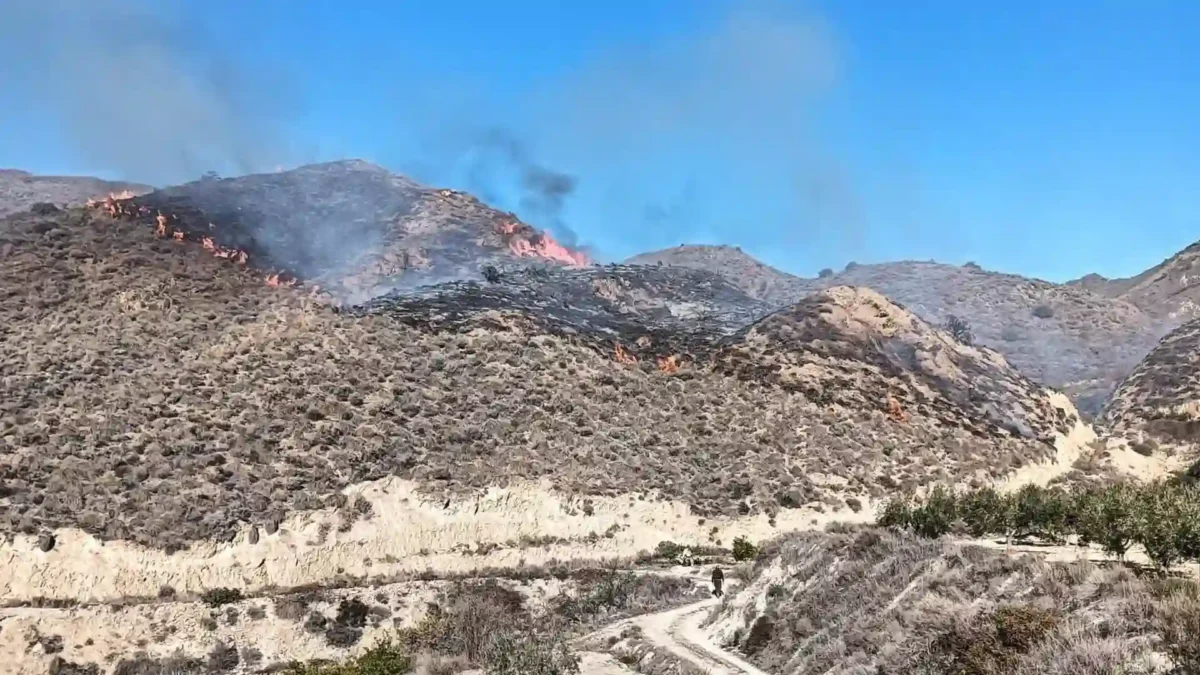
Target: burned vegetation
165	381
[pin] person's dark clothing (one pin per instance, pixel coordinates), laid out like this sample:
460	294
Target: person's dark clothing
718	579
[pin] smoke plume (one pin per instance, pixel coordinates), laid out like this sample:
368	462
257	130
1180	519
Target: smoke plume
130	93
714	134
543	191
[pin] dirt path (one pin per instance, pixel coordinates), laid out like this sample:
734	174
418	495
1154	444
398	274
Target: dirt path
680	632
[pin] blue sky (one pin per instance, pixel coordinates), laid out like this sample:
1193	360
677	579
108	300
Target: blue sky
1049	139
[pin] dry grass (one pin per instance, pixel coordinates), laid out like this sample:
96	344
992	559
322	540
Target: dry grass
152	392
921	606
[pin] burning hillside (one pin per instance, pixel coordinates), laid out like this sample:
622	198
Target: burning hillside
350	228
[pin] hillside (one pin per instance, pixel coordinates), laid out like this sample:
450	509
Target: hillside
1168	290
1063	336
756	279
158	392
933	606
350	227
20	190
1161	397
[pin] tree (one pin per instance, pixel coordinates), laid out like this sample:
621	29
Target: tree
743	549
1159	527
937	515
986	512
959	329
1108	518
1040	512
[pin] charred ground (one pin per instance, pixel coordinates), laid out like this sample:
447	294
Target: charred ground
155	392
1066	336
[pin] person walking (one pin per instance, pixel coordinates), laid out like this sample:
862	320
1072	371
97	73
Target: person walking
718	579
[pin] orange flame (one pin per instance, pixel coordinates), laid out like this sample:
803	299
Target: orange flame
276	281
894	410
178	235
539	245
622	356
160	229
668	364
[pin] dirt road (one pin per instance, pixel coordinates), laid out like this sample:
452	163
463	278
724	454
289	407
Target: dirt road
679	632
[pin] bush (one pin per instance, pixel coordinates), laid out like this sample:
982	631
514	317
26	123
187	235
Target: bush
851	265
43	209
991	644
743	550
825	273
937	515
215	597
511	655
959	329
491	274
385	658
668	550
896	513
1043	311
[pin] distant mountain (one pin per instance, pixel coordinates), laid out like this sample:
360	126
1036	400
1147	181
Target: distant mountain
1063	335
756	279
1170	290
20	190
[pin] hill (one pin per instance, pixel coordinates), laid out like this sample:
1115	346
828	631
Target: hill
1161	397
161	397
1167	290
350	227
756	279
1064	336
20	190
925	606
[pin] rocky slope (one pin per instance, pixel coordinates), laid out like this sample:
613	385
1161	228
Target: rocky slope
157	391
1168	290
1064	336
1161	398
20	190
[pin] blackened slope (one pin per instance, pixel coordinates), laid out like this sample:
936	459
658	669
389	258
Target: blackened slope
350	226
1161	397
756	279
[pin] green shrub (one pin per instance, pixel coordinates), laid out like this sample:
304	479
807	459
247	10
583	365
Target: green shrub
986	512
215	597
512	655
385	658
668	550
937	515
896	513
743	550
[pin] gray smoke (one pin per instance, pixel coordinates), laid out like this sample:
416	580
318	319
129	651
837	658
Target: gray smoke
730	112
130	94
497	157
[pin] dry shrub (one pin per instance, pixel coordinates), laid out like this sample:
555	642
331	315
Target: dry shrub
992	644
